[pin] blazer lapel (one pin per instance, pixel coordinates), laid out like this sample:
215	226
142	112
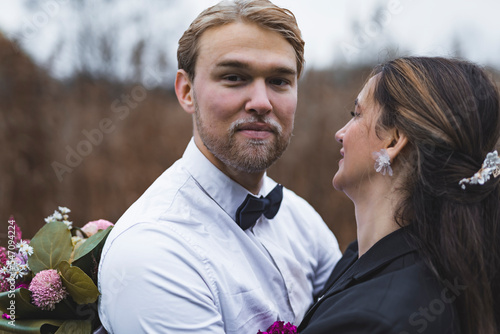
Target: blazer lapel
351	269
349	257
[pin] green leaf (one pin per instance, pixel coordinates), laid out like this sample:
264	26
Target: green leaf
51	245
87	256
75	327
30	326
19	301
91	243
79	285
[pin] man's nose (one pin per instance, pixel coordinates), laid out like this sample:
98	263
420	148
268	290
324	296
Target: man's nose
258	99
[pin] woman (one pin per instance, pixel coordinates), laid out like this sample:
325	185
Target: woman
419	165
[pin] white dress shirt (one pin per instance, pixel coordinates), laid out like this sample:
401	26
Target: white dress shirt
176	261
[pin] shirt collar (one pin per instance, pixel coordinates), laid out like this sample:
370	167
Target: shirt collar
227	193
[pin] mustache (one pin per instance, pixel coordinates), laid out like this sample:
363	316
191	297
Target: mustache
274	125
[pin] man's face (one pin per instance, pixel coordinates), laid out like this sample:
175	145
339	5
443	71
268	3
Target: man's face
245	96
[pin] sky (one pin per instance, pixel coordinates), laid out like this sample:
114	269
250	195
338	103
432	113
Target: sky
337	32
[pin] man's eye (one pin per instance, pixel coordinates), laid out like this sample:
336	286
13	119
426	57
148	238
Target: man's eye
233	78
278	82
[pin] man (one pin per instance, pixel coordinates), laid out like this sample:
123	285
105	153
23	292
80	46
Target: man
188	256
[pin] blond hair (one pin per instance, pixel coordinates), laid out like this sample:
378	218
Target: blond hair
261	12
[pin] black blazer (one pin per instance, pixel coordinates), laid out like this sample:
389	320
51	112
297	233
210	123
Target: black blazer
387	290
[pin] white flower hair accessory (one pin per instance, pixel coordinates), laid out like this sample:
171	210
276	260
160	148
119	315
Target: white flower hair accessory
382	162
491	165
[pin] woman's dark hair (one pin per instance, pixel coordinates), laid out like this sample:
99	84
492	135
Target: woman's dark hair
449	110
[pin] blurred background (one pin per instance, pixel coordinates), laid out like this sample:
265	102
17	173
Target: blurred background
89	119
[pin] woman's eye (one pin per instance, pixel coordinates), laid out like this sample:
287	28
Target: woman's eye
354	114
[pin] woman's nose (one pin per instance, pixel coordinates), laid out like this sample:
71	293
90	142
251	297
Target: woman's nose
339	135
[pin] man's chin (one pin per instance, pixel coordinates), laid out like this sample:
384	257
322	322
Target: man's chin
254	157
255	147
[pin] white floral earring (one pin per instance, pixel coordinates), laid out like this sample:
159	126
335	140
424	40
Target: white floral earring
382	162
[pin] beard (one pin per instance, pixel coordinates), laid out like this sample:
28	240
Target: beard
244	154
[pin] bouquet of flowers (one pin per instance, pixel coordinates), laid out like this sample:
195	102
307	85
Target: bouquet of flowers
48	284
279	327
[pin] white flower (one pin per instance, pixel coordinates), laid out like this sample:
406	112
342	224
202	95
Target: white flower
54	217
64	210
24	269
15	270
24	248
57	215
4	271
21	243
16	273
68	224
11	264
77	241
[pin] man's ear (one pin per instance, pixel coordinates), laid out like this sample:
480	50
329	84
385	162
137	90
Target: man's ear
184	91
398	142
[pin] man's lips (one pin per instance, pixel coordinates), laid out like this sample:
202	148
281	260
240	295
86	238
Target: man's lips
255	127
256	130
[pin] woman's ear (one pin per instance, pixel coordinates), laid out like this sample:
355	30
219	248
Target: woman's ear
184	91
399	141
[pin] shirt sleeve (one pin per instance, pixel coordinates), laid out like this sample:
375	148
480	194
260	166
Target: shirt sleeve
327	254
152	282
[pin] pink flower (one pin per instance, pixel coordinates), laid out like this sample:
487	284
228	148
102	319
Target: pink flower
4	283
93	227
279	327
18	234
47	289
3	256
21	258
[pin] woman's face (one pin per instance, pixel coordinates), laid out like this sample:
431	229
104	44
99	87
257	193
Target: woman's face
359	140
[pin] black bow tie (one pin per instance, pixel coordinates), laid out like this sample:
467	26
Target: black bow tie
252	207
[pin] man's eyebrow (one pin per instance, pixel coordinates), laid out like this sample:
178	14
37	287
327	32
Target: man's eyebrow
285	70
232	63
